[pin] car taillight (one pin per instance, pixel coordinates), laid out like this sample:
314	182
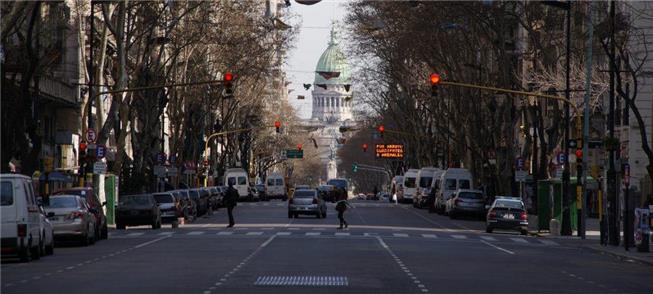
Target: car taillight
75	214
523	216
492	214
22	230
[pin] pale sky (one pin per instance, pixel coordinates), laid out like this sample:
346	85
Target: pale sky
311	42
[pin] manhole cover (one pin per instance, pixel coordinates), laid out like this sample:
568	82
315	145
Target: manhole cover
310	281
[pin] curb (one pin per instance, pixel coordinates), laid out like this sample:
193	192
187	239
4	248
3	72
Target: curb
620	256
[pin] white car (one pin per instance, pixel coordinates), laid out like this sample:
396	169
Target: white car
48	233
22	229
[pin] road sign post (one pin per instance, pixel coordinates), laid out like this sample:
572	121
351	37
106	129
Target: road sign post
294	153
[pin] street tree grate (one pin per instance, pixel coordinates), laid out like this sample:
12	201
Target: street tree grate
309	281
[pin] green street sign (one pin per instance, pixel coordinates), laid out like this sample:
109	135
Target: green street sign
294	153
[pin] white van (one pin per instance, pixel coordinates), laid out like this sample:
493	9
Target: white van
21	218
451	180
425	178
275	187
397	187
240	180
410	186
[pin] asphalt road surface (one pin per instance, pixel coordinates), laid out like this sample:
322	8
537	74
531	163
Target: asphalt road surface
388	248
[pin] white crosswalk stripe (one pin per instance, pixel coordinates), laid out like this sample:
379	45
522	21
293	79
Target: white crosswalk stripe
488	238
313	233
342	234
519	240
195	233
429	236
254	233
135	234
400	235
459	236
165	233
284	233
548	242
225	233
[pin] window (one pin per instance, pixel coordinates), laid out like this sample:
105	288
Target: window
242	181
231	181
425	182
164	198
6	193
450	184
508	204
135	200
62	202
279	182
463	184
409	182
468	195
304	194
270	182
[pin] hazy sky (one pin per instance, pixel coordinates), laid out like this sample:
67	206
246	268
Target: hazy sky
311	41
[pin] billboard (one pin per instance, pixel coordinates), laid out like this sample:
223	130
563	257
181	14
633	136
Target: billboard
389	151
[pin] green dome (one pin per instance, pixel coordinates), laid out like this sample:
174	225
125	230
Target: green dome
332	60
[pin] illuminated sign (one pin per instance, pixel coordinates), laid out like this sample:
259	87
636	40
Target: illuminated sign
389	151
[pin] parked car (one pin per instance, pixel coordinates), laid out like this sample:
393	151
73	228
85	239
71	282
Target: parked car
48	232
507	213
451	180
201	199
383	196
307	201
97	207
169	207
223	191
259	190
470	202
21	227
215	198
409	186
328	192
425	177
302	187
137	210
72	218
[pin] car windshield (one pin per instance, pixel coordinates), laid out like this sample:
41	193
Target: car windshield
338	183
6	193
450	184
62	202
508	204
80	193
242	181
425	182
135	200
464	184
409	182
304	194
270	182
164	198
470	195
279	182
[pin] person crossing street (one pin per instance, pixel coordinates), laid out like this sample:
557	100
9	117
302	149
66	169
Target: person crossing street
341	207
231	200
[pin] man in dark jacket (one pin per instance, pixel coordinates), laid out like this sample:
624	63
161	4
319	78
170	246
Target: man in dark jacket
231	199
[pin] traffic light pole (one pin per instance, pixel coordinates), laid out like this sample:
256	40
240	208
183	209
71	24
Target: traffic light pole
566	209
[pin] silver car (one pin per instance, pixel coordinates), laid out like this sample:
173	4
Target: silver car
72	218
307	201
464	201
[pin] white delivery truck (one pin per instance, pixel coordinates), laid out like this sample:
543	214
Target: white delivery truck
275	187
451	180
410	186
425	178
239	178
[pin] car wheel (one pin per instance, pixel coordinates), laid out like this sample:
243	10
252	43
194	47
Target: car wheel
318	215
175	224
36	251
25	254
92	239
488	230
290	214
524	232
324	214
49	249
84	240
105	232
42	246
296	215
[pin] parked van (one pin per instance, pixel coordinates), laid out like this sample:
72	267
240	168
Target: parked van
410	186
275	187
451	180
425	178
397	187
433	192
240	180
21	218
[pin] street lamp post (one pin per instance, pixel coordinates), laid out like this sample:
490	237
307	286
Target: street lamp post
566	217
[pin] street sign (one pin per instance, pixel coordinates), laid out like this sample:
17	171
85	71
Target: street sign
99	167
100	151
91	136
562	158
294	153
627	175
573	144
520	176
161	158
389	151
520	163
160	170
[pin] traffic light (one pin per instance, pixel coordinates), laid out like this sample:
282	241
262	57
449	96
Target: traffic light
354	167
228	86
82	149
579	164
299	147
435	80
364	147
277	125
381	130
579	156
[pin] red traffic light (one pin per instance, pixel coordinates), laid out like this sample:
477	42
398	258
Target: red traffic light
364	147
299	147
435	79
228	77
82	146
579	153
381	129
277	124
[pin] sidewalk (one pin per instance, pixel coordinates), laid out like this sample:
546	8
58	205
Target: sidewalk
592	242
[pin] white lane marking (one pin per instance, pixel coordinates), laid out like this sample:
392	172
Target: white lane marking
283	233
401	265
370	234
519	240
150	242
254	233
429	236
195	233
459	236
342	234
400	235
497	247
293	229
135	234
225	233
166	233
488	238
548	242
313	233
265	244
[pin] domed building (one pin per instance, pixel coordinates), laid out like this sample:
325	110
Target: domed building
332	96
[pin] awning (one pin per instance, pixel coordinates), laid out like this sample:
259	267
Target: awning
56	177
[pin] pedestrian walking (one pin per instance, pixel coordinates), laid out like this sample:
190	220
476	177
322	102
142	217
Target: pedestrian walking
341	207
231	199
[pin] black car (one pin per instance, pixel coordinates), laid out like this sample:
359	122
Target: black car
201	198
215	197
137	210
507	213
260	189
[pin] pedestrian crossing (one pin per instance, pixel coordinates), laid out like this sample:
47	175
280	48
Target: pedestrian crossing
296	232
285	204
